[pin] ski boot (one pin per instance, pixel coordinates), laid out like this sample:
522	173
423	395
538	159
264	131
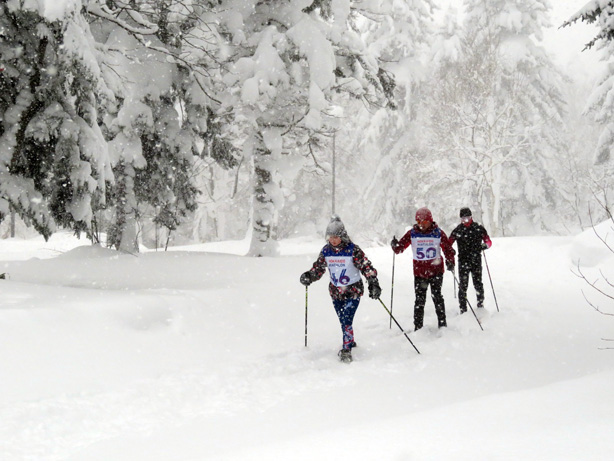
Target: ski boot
345	355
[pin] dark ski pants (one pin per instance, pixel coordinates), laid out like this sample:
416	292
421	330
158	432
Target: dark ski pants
465	268
420	287
346	309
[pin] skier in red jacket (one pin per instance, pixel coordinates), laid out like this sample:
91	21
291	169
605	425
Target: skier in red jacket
427	241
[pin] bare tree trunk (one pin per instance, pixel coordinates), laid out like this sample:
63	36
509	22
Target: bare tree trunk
12	223
264	209
496	205
123	235
129	236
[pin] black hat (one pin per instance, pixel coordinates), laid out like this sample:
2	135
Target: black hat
464	212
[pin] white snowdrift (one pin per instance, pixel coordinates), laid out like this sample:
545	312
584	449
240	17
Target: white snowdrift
198	354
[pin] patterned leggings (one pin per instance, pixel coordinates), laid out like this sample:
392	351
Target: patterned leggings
346	309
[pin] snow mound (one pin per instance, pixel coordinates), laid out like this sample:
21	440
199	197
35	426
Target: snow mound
89	252
587	248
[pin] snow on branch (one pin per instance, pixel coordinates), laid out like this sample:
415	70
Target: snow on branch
595	11
149	28
103	12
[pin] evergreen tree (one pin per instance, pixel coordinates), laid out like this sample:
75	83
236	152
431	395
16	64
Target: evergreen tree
601	102
159	64
53	158
496	117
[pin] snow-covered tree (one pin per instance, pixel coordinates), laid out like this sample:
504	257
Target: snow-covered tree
156	61
105	108
287	60
399	35
601	103
53	158
497	117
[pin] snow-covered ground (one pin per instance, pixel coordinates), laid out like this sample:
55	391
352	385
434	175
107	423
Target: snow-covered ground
198	354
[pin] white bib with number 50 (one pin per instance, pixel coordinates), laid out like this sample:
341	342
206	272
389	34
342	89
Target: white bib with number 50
426	247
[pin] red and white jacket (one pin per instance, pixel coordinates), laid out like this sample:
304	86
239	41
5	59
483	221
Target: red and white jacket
427	247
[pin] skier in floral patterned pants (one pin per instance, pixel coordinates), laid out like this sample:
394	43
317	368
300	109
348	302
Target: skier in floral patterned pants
345	262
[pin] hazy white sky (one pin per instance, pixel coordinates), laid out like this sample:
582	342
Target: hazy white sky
566	44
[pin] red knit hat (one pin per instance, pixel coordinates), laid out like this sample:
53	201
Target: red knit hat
424	214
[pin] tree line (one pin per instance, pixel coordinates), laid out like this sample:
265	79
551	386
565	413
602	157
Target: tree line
142	119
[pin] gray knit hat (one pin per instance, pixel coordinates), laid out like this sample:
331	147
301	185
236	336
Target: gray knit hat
336	227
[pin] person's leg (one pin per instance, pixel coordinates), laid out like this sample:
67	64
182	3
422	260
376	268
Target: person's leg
463	283
440	307
476	277
345	311
420	287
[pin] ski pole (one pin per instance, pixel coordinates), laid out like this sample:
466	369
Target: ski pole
392	289
469	304
454	287
401	328
490	278
306	297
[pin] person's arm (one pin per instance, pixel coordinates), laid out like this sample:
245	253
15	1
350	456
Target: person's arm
363	264
318	268
452	237
486	242
315	273
448	251
366	268
402	244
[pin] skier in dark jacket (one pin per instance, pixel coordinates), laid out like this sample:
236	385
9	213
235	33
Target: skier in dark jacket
471	239
427	241
345	262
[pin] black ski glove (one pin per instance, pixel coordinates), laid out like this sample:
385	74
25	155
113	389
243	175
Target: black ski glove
484	246
394	243
450	265
306	278
374	289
